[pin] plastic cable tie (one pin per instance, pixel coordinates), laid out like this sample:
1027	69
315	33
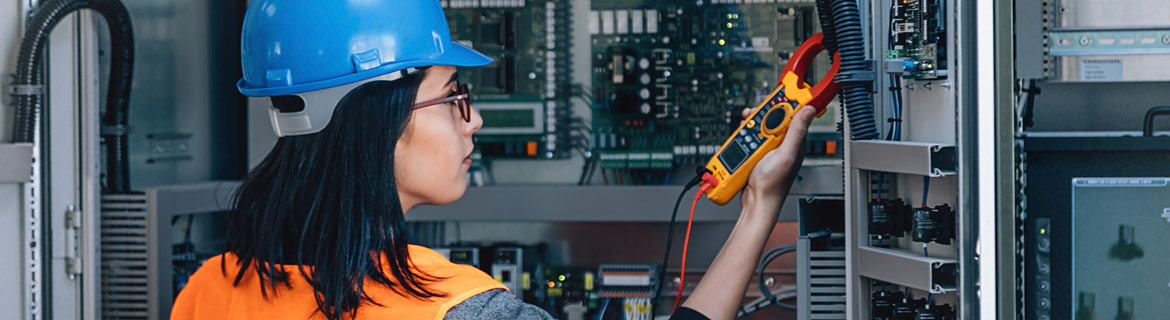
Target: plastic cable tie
27	89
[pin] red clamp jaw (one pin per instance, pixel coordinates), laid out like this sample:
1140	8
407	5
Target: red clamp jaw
792	78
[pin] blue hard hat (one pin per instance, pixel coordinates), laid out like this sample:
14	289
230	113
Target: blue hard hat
290	47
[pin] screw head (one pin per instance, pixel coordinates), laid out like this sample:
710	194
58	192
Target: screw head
1085	41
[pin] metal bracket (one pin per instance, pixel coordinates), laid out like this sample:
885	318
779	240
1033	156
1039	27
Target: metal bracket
26	89
922	273
869	75
1109	41
73	260
919	158
114	130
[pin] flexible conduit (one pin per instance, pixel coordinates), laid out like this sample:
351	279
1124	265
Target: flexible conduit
29	77
825	16
851	45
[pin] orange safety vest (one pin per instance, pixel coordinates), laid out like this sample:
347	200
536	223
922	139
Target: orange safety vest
209	293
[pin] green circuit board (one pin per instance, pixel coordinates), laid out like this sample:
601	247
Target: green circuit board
671	77
522	95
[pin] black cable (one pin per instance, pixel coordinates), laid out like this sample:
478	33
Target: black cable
851	46
587	168
772	254
28	75
187	235
670	238
825	15
1030	103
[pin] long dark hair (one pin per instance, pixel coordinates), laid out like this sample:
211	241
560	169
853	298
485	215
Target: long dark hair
329	203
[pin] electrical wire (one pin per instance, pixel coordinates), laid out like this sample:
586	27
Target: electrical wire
765	260
669	238
682	274
925	189
41	22
761	303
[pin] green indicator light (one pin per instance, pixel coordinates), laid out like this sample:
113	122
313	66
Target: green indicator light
721	42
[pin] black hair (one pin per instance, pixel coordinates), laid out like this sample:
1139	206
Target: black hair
328	202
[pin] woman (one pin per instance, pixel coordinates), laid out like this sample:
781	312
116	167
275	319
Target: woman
373	121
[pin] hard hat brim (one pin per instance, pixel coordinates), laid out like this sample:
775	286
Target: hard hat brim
456	55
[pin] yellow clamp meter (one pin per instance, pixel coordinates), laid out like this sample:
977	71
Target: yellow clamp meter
767	125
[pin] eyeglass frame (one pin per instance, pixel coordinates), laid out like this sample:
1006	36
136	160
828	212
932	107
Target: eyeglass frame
462	99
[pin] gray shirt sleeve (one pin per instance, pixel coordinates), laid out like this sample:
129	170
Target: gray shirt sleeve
496	304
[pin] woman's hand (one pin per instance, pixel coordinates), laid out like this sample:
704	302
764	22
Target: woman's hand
770	181
720	292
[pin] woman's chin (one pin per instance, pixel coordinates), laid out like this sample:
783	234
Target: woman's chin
453	194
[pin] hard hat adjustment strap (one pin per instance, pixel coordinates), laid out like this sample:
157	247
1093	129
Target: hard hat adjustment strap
319	106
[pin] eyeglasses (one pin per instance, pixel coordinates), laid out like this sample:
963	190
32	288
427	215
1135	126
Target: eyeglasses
460	97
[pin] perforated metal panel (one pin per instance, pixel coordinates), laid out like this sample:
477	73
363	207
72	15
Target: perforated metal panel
125	254
820	282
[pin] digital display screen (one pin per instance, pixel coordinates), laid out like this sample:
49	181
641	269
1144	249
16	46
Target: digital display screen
508	118
733	156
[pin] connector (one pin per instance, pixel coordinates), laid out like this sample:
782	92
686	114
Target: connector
709	181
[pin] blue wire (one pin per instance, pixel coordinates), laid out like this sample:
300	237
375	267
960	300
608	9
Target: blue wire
896	96
880	180
925	189
924	253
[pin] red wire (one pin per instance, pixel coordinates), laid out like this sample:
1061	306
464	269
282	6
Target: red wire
605	177
682	274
